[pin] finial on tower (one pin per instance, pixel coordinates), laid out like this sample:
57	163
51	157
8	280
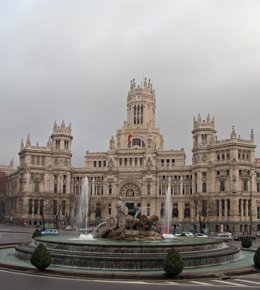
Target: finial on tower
252	135
213	121
208	118
233	133
49	143
22	144
28	141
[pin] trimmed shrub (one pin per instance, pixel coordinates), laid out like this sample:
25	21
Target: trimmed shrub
173	263
41	258
36	233
257	258
246	242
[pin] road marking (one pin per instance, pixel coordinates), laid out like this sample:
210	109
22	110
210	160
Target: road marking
201	283
72	279
248	281
173	283
228	283
121	281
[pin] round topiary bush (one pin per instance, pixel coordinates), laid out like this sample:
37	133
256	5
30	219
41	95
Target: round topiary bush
246	242
36	233
41	258
257	258
173	263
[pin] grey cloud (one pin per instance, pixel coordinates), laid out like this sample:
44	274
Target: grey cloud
73	61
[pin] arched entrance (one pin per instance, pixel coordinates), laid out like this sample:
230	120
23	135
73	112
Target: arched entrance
130	194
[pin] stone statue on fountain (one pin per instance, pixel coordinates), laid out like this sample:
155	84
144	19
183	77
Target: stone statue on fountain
127	227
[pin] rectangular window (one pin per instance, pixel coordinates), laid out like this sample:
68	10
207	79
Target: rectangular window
30	206
36	206
63	207
204	208
55	207
245	185
41	206
222	185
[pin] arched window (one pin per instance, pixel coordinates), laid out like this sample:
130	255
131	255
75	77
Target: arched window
138	114
138	142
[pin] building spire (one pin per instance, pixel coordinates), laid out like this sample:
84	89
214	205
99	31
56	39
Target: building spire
233	134
252	136
22	144
28	141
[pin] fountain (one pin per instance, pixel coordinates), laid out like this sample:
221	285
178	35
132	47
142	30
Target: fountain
82	217
127	243
168	214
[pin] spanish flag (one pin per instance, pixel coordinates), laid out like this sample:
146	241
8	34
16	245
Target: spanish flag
129	137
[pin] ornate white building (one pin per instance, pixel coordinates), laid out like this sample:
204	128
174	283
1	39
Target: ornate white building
220	190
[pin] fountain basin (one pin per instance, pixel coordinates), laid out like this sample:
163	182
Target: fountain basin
104	254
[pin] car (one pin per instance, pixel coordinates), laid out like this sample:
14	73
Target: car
258	234
239	238
184	234
50	232
200	235
227	237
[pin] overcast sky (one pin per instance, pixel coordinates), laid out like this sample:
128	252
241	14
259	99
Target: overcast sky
73	60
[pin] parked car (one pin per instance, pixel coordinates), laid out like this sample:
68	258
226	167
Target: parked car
50	232
184	234
227	237
200	235
239	238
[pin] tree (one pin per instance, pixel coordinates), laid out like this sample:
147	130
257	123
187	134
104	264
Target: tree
173	263
36	233
41	257
257	258
204	211
246	242
53	207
